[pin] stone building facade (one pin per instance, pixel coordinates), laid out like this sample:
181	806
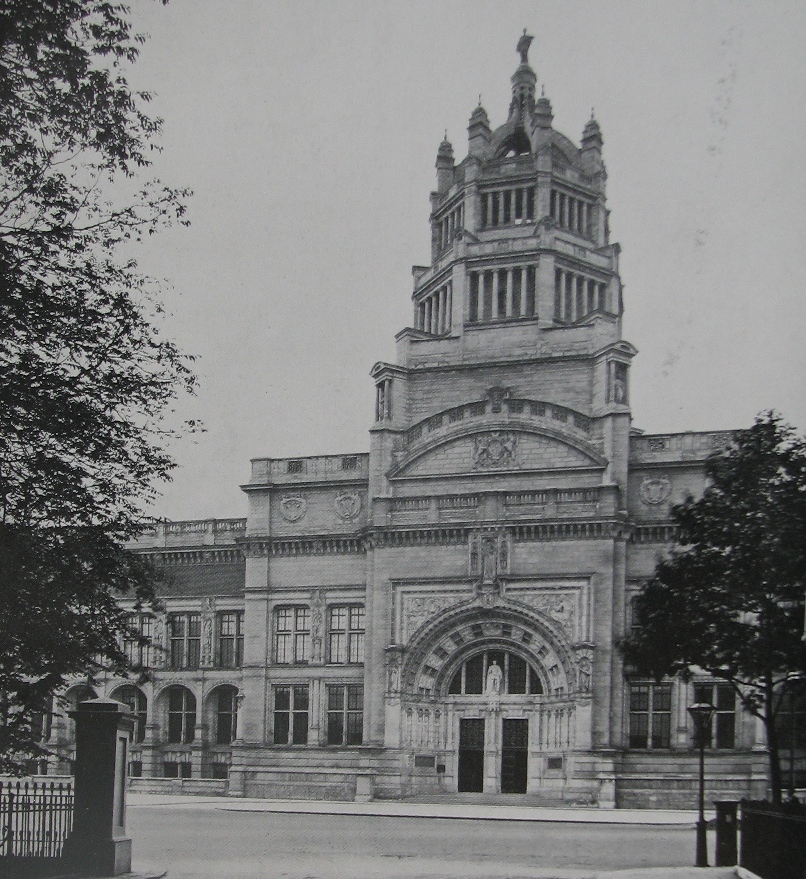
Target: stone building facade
440	615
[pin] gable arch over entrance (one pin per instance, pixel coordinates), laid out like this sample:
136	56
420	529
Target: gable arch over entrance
454	635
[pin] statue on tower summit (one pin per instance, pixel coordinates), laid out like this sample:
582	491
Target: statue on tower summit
523	46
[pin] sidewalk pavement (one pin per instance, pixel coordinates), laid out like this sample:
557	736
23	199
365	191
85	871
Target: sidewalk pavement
430	809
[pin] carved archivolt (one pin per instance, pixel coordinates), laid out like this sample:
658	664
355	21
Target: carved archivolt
428	662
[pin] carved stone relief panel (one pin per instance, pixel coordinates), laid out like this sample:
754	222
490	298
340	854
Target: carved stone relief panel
418	608
558	606
293	507
495	449
208	618
317	625
347	505
654	490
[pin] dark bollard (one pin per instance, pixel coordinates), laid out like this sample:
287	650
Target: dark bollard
726	827
98	845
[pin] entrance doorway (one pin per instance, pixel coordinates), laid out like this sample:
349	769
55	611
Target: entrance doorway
471	755
514	755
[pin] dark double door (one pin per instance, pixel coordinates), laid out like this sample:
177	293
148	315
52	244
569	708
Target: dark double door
514	755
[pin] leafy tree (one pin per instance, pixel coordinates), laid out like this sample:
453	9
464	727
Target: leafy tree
729	598
86	376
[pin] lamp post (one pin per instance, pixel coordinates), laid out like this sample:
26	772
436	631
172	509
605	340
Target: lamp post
701	713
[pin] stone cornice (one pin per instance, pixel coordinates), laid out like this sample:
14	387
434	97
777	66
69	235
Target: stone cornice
659	532
422	535
211	555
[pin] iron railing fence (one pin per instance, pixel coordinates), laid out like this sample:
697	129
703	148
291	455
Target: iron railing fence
773	839
35	818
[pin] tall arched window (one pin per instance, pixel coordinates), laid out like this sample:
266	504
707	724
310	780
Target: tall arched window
518	676
226	715
181	715
137	703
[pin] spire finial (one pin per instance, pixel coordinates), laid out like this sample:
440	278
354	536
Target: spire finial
543	90
479	100
446	134
523	46
592	113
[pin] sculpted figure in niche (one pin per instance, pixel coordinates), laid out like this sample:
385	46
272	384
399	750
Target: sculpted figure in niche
488	552
495	678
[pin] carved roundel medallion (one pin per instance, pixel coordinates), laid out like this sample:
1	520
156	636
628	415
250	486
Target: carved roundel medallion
348	505
655	489
293	507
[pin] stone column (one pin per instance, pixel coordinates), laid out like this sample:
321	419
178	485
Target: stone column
509	292
492	750
98	845
495	313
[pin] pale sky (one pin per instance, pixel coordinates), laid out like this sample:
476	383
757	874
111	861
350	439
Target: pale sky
308	132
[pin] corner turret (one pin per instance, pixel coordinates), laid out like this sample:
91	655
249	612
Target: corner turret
444	165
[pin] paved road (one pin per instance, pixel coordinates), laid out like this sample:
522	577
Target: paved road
215	843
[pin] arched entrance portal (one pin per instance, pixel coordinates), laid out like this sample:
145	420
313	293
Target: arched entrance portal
488	701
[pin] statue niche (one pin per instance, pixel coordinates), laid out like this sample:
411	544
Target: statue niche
488	560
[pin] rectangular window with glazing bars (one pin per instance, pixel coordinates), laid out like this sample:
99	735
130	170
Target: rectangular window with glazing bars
345	714
292	635
136	648
229	653
185	640
650	715
346	634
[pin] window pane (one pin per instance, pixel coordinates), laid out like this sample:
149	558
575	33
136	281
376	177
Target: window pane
639	728
281	728
335	728
338	651
356	647
284	617
335	698
303	618
175	700
300	698
661	728
338	618
284	647
301	647
355	698
282	698
663	697
300	728
455	687
174	728
474	669
354	729
639	698
357	617
725	729
517	674
725	697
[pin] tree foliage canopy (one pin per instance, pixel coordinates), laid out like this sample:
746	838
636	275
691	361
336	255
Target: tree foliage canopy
86	375
729	598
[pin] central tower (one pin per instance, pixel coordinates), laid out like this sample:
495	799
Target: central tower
498	473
